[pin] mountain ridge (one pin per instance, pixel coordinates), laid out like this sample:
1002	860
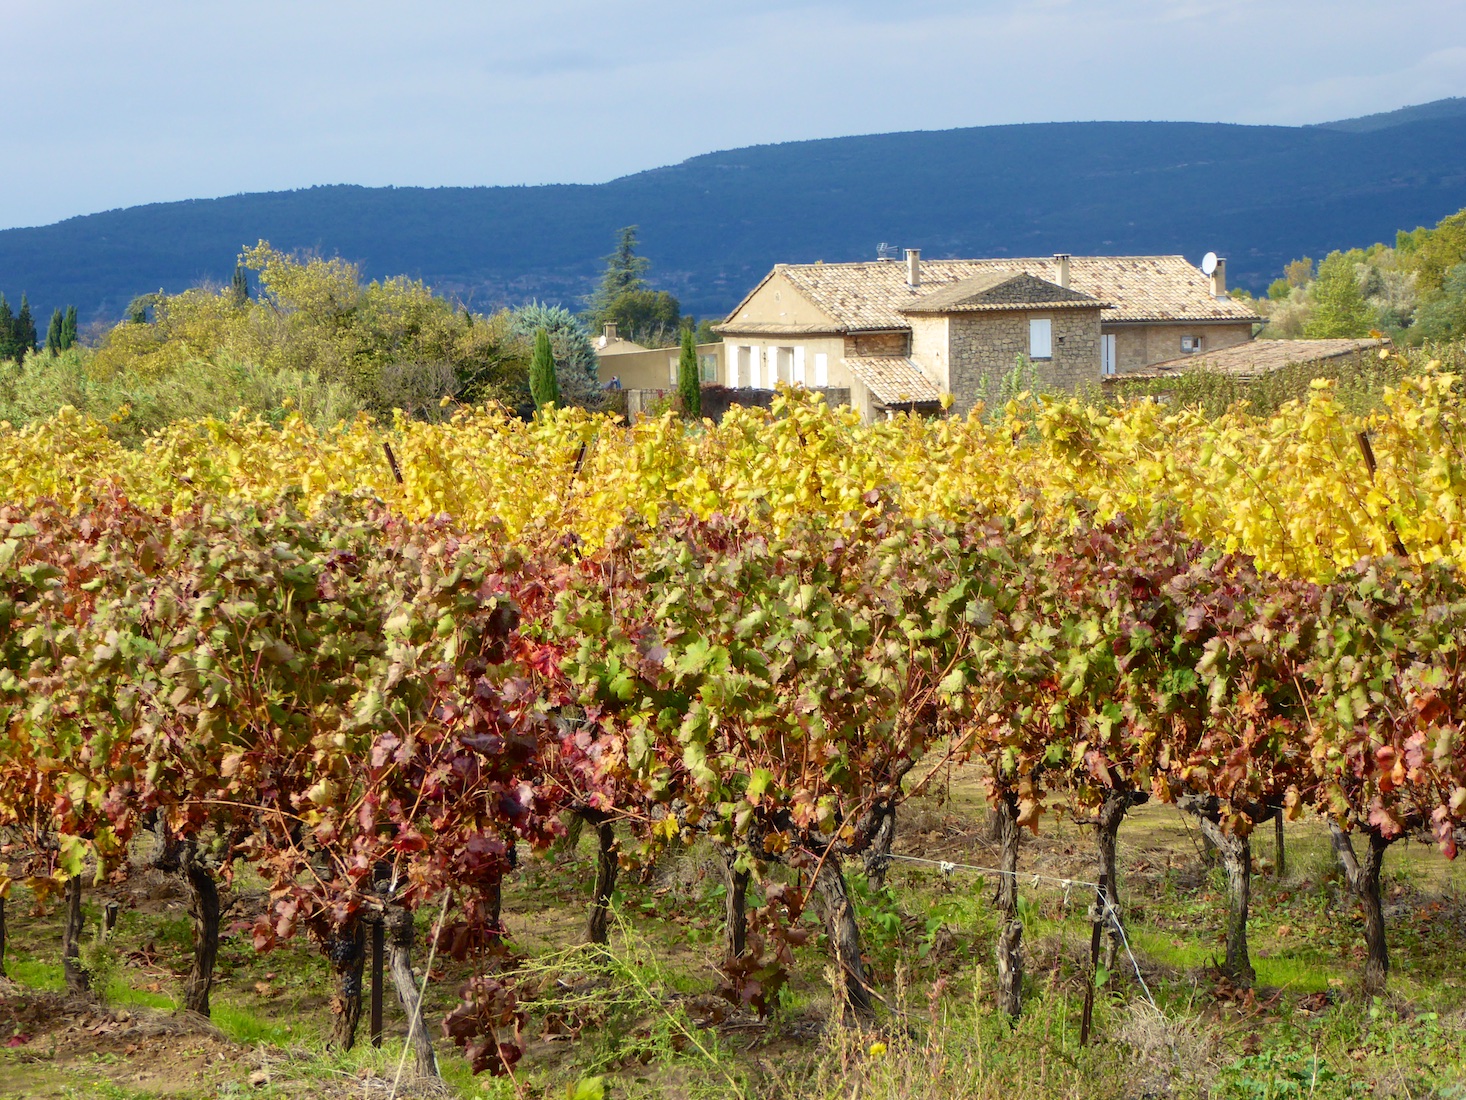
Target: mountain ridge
715	223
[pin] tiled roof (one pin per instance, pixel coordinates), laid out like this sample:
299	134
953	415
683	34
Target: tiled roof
1258	357
997	290
870	296
773	328
894	379
616	347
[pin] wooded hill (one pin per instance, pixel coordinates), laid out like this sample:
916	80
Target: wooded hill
712	225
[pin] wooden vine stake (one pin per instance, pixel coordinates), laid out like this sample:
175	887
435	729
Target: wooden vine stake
1368	452
379	950
1097	924
392	461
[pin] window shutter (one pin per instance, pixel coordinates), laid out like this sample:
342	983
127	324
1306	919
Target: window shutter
1040	338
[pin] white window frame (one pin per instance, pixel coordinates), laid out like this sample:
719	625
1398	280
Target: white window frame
1191	345
755	355
821	369
797	376
1109	353
1040	338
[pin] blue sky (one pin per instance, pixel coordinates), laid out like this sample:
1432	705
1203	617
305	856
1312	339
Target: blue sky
111	105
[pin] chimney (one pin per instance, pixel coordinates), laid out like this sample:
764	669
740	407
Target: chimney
1219	279
1061	261
913	267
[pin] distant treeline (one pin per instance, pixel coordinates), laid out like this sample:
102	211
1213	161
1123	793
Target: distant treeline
1412	291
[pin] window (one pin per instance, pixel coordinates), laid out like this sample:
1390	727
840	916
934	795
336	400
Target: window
1040	338
798	374
1107	353
755	354
707	368
821	369
781	366
1191	344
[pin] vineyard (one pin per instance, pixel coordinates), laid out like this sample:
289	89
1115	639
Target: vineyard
381	670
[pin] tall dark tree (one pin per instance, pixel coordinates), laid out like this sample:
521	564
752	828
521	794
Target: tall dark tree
689	385
543	386
53	332
25	330
239	286
68	328
624	271
7	330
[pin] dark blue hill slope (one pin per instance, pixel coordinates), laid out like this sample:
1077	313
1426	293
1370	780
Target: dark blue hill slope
1259	195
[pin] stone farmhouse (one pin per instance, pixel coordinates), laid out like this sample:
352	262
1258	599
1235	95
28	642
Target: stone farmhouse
901	334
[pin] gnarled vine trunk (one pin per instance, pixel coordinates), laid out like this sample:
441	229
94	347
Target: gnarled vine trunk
2	937
203	909
735	904
1236	855
844	933
877	856
1005	808
1010	970
347	953
607	864
399	962
1107	834
1363	878
77	979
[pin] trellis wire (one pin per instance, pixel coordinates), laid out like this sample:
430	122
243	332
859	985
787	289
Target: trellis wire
947	866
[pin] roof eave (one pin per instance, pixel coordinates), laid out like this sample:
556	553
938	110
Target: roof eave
1191	320
1005	307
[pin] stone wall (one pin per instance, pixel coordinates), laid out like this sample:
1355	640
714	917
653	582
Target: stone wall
878	343
983	348
1138	346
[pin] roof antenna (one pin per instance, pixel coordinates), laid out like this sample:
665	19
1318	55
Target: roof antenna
886	251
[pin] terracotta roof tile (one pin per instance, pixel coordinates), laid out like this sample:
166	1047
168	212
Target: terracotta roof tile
1257	357
1000	290
870	296
894	379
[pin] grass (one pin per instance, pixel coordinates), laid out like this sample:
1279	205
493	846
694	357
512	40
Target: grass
641	1018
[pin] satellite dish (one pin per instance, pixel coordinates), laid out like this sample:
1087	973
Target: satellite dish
1209	263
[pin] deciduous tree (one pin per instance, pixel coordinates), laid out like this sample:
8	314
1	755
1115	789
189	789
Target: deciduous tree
1338	304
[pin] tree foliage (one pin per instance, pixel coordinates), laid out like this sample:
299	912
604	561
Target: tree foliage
1339	308
646	316
542	383
689	379
576	366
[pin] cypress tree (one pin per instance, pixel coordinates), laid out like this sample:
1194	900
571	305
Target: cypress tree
689	386
68	328
543	386
239	286
25	330
7	330
53	333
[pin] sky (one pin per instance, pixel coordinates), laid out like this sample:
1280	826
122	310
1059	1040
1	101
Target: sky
111	105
